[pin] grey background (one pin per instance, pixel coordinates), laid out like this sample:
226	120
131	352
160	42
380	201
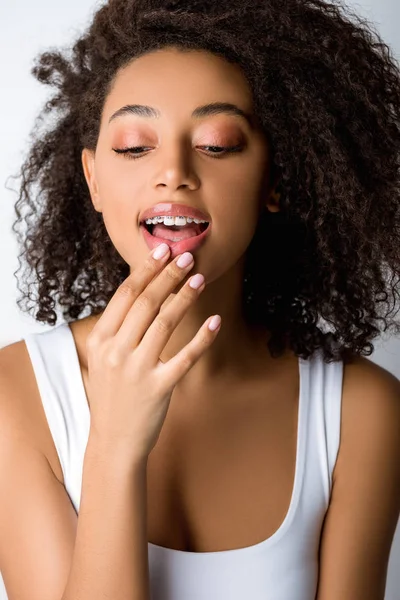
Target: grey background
27	28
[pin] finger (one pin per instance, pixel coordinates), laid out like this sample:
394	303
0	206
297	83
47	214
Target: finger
121	302
147	306
163	325
172	371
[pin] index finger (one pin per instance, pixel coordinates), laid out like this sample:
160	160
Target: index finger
121	302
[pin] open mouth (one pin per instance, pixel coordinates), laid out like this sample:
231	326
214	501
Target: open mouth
180	239
177	232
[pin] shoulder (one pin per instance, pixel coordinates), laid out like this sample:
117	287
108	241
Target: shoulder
370	384
13	368
370	403
364	506
21	412
14	362
362	372
370	420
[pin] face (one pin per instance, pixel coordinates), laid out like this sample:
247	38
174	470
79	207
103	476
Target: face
176	159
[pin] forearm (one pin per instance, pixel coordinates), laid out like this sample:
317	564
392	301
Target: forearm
110	558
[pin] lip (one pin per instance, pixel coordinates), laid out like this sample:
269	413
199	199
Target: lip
173	210
189	245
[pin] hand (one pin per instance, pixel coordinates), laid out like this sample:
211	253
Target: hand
129	387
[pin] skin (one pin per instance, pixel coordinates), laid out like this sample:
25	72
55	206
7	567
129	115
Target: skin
363	511
174	166
359	525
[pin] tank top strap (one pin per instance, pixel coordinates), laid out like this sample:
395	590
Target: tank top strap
56	366
325	413
333	410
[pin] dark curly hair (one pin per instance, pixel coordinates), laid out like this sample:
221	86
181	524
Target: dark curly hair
327	93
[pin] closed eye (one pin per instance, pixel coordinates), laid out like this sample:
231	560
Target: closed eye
133	154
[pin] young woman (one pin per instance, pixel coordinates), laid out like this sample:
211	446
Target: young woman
143	454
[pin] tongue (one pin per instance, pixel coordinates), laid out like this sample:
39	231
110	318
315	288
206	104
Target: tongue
173	233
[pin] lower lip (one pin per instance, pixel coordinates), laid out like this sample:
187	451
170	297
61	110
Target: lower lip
189	245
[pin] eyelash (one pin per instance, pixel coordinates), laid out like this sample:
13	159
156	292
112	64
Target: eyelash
127	152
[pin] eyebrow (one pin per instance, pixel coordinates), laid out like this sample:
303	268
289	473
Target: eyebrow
215	108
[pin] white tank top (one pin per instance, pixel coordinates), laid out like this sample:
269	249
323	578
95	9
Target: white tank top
283	567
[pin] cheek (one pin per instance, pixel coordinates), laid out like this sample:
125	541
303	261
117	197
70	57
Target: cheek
235	223
236	218
117	189
111	184
121	228
247	178
239	200
228	244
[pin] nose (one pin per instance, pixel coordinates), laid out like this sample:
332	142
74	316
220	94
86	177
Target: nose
176	169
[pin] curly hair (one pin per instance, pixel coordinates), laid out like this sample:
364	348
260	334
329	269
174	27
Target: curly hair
327	94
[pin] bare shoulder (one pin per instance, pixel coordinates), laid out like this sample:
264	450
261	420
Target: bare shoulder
362	373
370	411
15	410
362	367
371	395
21	412
364	507
38	522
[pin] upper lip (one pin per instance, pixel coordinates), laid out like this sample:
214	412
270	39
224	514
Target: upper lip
174	210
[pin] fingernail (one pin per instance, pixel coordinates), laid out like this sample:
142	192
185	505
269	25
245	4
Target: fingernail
214	323
185	260
196	281
160	251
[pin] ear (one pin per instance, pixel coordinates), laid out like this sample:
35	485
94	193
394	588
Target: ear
272	203
87	158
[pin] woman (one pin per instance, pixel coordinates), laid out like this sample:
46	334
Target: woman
260	459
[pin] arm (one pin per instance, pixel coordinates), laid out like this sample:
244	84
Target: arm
46	552
37	524
361	520
111	557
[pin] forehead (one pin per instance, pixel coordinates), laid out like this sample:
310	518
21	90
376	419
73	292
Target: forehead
178	81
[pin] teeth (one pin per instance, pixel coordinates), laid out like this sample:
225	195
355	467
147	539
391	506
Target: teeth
168	220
